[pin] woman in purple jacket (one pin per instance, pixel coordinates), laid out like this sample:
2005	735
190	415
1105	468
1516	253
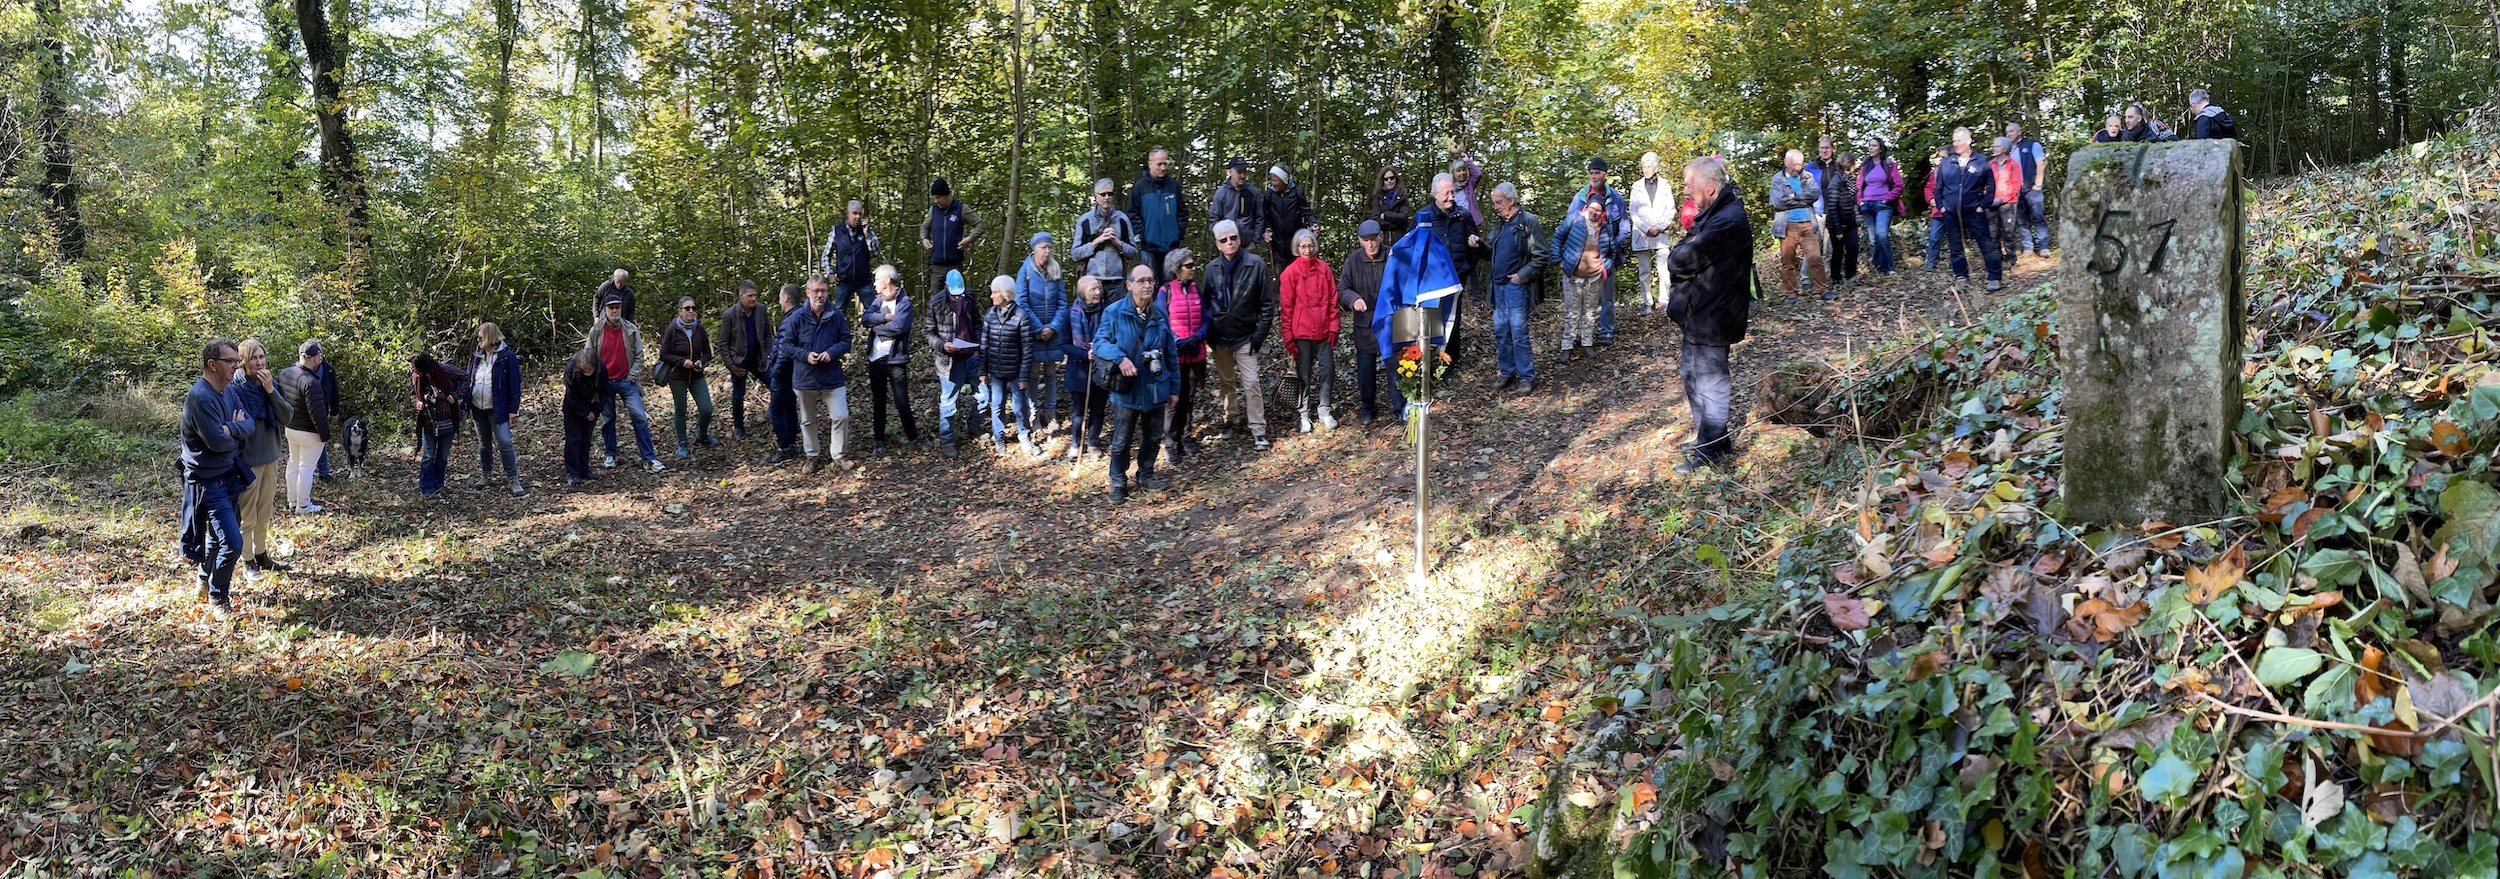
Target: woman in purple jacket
1879	196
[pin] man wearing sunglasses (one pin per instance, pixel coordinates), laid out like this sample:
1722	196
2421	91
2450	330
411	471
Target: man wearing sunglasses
214	426
1245	310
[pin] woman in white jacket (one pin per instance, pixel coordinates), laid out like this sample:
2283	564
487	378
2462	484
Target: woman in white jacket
1653	227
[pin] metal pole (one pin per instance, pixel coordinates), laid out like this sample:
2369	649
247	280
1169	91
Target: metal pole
1423	455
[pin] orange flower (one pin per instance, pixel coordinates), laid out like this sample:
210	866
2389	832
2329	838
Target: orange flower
1416	352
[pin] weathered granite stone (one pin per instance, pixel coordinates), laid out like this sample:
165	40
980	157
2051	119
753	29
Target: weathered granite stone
2150	318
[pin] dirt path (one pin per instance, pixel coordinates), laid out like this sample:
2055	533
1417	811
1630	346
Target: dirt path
957	665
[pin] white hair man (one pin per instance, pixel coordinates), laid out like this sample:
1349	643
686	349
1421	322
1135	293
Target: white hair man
1653	222
1711	268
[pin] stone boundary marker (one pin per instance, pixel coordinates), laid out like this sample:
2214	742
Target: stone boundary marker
2150	321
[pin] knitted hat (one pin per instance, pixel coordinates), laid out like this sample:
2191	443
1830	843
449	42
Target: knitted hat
1597	164
938	187
1278	171
1039	239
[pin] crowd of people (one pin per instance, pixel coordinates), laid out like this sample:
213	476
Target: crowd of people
1138	348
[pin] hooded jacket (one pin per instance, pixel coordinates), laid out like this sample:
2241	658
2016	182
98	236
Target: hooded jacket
1711	269
805	332
1245	301
1239	204
1286	212
1128	334
1307	296
1157	206
1041	294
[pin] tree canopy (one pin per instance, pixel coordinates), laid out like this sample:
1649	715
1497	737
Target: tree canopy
388	171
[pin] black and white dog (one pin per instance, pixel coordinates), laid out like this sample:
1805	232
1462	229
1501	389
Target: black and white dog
358	442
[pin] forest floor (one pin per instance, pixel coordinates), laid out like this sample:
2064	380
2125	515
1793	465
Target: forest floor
928	667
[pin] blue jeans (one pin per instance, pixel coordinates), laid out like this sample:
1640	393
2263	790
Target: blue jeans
1971	225
999	389
1878	222
214	536
628	394
948	393
502	432
1935	241
1047	382
847	292
434	448
2035	220
1707	390
1511	349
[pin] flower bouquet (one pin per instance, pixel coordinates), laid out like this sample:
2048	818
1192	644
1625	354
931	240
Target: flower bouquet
1411	383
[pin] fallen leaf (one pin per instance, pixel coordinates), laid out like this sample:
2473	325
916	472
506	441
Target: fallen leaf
1847	612
1958	464
2450	440
2324	800
2209	582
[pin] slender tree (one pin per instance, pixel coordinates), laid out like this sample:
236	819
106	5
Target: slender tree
341	174
60	182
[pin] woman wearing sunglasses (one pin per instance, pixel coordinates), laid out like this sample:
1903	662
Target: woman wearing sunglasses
687	349
1391	208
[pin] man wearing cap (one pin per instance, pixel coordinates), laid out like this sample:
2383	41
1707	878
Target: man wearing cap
947	234
1155	203
1237	201
1105	238
851	251
1653	219
1284	213
1519	260
1358	290
617	343
612	288
1615	234
950	321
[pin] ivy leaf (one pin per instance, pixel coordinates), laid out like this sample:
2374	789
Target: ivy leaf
2284	666
2472	536
571	663
2170	779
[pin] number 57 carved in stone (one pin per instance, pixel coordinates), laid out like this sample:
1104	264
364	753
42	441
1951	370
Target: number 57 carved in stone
2110	253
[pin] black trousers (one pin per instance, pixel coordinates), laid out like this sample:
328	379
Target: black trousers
1176	416
1141	429
1843	252
577	445
1367	381
738	396
891	379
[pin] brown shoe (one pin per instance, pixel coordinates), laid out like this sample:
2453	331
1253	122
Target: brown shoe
815	465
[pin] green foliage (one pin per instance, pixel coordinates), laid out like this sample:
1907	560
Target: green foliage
1952	681
30	436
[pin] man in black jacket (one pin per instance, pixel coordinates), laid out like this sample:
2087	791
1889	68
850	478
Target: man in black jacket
612	288
1711	268
1459	235
746	332
1358	288
1284	213
1245	310
1519	261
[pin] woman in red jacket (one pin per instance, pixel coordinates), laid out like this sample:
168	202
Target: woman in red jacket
1307	297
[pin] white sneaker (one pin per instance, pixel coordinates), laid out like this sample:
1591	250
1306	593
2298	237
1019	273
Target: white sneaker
1327	419
309	508
610	462
1306	421
656	466
1030	450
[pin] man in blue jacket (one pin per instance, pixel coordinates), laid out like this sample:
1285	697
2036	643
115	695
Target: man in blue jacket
1136	336
1617	239
783	410
1519	261
814	340
1155	202
851	251
1457	229
947	234
214	426
2035	204
1965	187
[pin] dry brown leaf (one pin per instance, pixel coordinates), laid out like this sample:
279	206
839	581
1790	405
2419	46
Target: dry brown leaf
2209	582
1958	464
2163	536
1927	665
2450	440
1847	612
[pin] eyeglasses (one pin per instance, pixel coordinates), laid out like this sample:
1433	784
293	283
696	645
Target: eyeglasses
1228	239
231	361
1103	194
685	308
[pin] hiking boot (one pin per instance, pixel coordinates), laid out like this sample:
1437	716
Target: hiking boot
1119	494
682	453
221	608
269	564
953	450
1526	388
1155	483
815	465
1996	286
876	449
1508	382
1258	443
518	489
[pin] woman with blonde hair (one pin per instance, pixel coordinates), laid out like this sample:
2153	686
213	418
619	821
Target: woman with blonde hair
269	412
494	401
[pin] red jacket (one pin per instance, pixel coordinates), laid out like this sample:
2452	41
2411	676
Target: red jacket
2009	174
1307	296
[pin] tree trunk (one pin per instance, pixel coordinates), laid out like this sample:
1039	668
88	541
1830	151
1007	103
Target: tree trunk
1448	48
1107	60
60	182
1015	151
342	174
507	34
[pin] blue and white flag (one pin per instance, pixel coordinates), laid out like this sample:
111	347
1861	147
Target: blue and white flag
1419	273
